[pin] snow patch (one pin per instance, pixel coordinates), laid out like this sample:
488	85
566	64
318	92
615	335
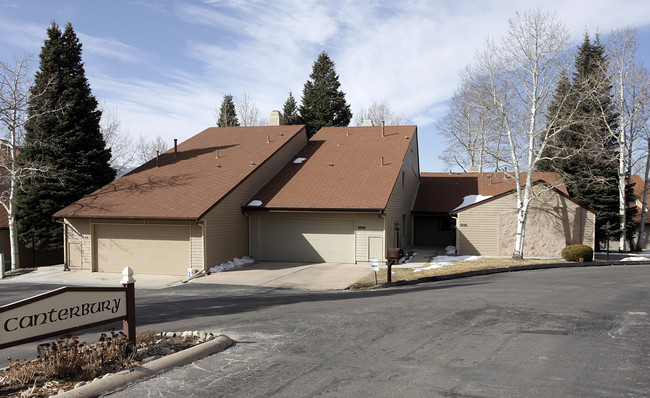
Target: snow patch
237	263
255	203
640	258
471	199
299	160
450	250
441	261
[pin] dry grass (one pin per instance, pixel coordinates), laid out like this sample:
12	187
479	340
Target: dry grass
408	274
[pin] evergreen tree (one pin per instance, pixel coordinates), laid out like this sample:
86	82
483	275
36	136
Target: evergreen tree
582	149
227	113
323	104
290	110
62	134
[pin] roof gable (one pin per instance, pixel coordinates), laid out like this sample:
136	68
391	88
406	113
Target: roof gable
444	192
186	184
344	168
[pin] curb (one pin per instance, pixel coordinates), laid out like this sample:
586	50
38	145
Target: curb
510	269
117	381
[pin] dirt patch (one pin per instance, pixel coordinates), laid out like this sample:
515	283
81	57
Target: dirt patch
67	363
413	274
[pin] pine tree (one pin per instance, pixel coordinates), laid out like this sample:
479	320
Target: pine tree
582	149
227	113
323	104
63	134
290	110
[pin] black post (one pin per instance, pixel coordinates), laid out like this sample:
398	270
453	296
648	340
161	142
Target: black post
128	325
607	227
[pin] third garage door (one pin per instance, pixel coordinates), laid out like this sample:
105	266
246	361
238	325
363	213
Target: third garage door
307	239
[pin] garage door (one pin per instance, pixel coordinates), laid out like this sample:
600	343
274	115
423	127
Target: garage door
150	249
308	240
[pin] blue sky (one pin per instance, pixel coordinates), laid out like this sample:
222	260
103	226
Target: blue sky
163	66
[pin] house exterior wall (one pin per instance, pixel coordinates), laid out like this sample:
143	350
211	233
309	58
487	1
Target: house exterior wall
226	227
553	223
81	241
365	230
401	201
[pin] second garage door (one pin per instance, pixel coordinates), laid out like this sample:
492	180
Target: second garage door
151	249
307	239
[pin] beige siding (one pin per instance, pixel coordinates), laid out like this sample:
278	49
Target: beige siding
309	237
553	222
402	198
368	227
78	235
226	227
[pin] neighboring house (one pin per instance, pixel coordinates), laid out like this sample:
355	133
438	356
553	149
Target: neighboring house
639	185
346	197
483	206
181	210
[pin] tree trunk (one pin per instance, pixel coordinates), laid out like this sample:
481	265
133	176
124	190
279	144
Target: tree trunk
622	202
521	233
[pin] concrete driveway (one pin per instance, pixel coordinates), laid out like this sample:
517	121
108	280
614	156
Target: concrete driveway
305	276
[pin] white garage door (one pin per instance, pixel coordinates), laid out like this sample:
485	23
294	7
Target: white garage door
150	249
308	240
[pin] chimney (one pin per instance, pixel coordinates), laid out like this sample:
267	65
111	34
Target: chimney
175	147
366	123
276	119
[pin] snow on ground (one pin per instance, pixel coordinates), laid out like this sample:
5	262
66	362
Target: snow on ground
237	263
637	258
441	261
405	260
450	250
471	199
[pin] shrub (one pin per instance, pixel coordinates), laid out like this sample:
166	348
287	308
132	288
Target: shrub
578	253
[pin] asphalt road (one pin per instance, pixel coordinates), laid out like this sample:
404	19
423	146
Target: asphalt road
558	332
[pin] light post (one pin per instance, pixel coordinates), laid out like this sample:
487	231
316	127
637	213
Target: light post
33	248
397	233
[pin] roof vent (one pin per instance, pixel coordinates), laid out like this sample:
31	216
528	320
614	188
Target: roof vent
268	139
382	161
217	151
218	166
382	129
252	163
175	147
348	133
331	165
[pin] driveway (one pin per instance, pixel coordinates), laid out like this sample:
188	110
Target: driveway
305	276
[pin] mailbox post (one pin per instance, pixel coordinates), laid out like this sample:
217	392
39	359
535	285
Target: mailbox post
392	256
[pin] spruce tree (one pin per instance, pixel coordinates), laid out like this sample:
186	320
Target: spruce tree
227	113
63	136
582	149
290	110
323	104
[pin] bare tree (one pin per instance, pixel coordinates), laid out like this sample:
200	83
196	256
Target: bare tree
471	130
149	148
15	80
248	111
379	112
631	95
522	73
123	152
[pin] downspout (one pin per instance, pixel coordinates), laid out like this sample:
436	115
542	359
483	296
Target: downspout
250	226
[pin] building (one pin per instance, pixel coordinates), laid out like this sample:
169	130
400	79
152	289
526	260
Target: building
478	214
346	197
181	210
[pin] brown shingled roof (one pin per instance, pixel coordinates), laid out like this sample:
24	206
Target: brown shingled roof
341	171
444	192
186	185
